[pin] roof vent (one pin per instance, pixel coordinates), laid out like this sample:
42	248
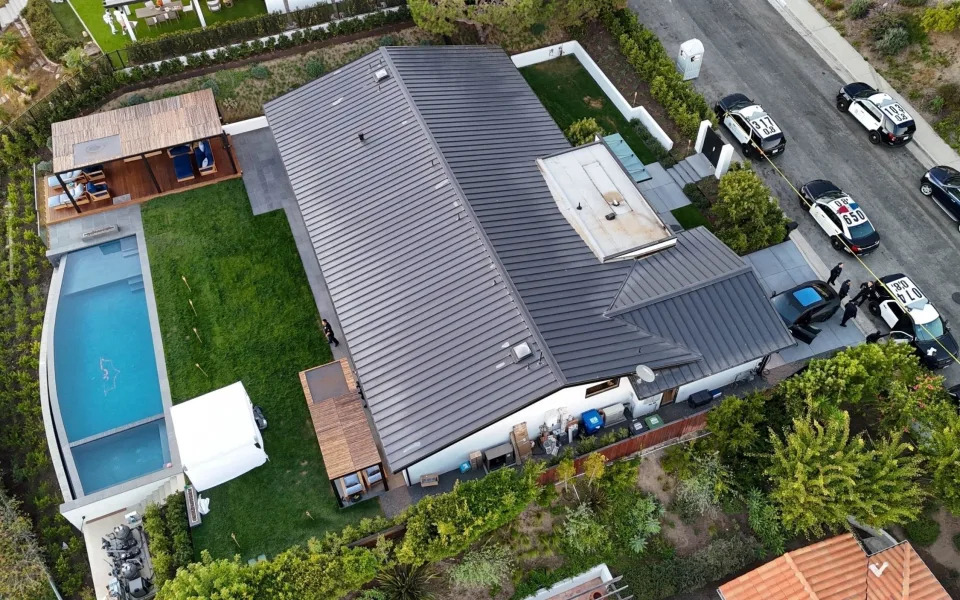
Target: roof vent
380	75
521	351
878	571
610	216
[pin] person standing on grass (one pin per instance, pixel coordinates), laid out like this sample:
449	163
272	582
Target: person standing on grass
849	312
328	331
834	273
844	289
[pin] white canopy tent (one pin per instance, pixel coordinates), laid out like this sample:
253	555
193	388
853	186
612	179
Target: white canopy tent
217	436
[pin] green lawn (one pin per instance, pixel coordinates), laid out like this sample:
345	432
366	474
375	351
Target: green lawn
69	21
570	94
259	325
91	11
690	216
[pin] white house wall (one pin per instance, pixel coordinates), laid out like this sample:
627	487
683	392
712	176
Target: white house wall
111	504
572	398
718	380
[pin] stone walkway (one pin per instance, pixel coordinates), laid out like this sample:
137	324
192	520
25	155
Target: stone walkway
68	236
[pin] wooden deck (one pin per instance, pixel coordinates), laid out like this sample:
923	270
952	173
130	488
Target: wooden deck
131	178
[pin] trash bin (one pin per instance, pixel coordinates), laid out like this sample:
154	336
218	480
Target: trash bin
700	398
690	59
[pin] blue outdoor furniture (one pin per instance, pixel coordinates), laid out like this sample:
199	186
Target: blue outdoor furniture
178	150
203	154
98	191
93	173
183	167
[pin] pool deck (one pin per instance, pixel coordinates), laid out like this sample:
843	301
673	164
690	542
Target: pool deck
75	501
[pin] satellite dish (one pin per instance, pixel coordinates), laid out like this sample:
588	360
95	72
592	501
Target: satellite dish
645	373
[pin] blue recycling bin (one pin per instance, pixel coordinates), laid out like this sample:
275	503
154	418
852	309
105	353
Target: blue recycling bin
592	421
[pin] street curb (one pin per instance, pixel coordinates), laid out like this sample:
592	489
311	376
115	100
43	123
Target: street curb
927	147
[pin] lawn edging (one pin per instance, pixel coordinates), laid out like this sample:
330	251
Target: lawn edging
533	57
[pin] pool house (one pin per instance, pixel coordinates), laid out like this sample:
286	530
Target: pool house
135	153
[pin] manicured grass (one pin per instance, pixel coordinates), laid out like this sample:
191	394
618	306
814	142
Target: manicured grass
259	325
690	216
91	11
69	21
570	94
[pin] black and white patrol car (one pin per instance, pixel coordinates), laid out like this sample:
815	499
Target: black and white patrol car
750	125
919	325
840	217
882	116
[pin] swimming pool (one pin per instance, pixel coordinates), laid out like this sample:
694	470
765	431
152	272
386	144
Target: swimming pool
107	383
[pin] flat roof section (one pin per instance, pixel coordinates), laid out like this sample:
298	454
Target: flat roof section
601	202
134	130
339	420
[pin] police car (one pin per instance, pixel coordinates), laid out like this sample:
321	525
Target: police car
882	116
750	125
840	217
920	324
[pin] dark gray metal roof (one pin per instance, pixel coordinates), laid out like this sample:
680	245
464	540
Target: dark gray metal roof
426	308
442	247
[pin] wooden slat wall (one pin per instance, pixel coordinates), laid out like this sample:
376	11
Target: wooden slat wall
142	128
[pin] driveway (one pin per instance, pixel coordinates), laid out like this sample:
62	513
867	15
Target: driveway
749	48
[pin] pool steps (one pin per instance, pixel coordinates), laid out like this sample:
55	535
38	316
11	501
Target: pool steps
135	283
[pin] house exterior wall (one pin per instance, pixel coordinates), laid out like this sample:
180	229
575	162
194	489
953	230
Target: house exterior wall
572	398
126	499
718	380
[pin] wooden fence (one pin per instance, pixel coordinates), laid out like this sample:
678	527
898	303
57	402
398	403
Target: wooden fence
632	445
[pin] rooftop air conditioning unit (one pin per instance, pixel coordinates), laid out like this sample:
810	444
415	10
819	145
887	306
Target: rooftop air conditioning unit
613	414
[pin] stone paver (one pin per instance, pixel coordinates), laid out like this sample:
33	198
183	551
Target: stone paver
67	236
263	173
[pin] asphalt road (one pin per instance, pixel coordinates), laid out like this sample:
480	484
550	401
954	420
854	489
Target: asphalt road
749	48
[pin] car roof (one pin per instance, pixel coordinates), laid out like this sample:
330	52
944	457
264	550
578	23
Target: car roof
891	108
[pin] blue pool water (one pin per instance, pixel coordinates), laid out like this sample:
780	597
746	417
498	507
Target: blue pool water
106	372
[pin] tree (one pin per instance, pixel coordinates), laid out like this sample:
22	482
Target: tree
593	467
746	217
483	567
889	492
11	48
583	533
584	131
509	21
23	574
12	83
212	580
566	471
937	431
75	60
814	474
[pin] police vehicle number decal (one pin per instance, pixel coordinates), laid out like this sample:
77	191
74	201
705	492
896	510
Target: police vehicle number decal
764	126
905	290
853	217
895	112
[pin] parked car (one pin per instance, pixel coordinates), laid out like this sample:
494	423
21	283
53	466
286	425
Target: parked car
805	304
883	117
943	185
751	126
840	217
912	319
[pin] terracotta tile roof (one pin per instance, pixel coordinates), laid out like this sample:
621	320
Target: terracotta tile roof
838	569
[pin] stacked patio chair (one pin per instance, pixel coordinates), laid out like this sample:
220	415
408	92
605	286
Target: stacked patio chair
203	154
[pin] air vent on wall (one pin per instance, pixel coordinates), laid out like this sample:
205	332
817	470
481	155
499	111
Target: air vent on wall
380	75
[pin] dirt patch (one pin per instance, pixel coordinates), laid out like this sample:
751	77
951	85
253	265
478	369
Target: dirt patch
593	102
39	77
605	51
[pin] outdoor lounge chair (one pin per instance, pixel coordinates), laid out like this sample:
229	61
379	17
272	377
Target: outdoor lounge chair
203	154
351	484
67	178
98	191
372	475
178	150
63	200
183	167
94	173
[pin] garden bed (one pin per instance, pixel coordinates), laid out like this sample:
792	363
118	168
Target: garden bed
258	324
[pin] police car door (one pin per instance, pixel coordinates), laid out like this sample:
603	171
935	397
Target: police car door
891	313
865	112
736	125
822	215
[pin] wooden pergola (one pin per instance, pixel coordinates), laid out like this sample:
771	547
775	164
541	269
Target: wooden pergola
340	422
136	132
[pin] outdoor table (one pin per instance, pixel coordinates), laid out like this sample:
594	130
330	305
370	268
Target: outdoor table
152	11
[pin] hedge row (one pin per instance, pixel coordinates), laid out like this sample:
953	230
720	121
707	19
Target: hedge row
168	537
46	30
438	527
231	32
684	105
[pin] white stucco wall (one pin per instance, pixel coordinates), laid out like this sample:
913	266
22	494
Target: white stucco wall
525	59
118	501
572	398
600	572
713	382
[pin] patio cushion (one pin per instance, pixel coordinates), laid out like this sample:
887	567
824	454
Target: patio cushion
373	474
182	166
92	169
179	150
204	155
66	177
96	188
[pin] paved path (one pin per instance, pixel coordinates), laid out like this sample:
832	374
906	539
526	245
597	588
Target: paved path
750	48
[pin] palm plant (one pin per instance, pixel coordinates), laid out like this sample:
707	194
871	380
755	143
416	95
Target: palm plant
74	60
11	47
12	83
407	582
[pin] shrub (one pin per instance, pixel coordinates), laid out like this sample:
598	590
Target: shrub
765	522
483	567
211	84
583	131
942	17
583	534
859	9
259	72
923	532
407	582
699	494
662	155
387	40
315	68
894	40
46	30
745	215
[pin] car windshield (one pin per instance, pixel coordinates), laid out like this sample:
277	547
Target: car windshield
772	142
861	230
788	308
930	331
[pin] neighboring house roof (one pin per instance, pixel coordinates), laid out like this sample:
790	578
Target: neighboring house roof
442	247
839	569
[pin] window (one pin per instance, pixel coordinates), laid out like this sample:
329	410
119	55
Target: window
603	386
874	111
